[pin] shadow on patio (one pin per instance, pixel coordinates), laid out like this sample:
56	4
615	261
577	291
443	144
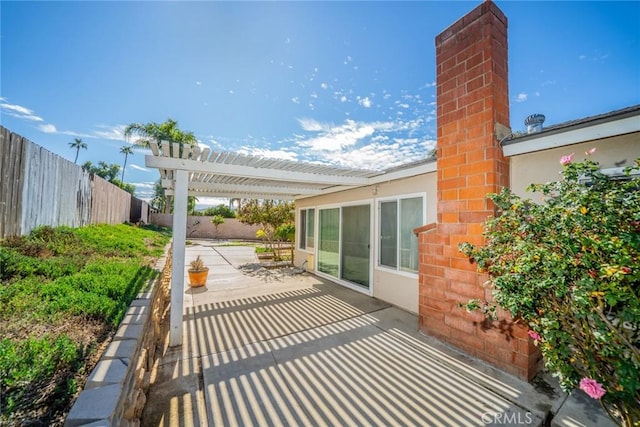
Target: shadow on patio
315	353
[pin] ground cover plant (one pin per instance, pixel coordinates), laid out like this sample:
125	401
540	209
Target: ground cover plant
63	292
568	266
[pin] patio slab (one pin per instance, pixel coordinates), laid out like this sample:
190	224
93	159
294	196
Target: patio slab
293	349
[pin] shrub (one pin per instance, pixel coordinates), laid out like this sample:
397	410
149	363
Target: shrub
77	282
103	290
26	367
569	267
122	240
223	210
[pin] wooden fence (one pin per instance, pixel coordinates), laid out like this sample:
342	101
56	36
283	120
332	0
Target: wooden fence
38	187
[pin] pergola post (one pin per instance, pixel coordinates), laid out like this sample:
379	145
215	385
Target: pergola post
178	244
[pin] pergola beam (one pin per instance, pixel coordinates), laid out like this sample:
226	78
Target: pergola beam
238	195
204	187
252	172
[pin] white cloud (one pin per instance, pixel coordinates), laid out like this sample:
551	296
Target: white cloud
147	184
336	138
312	125
365	102
198	82
521	97
140	168
19	112
295	100
48	128
324	86
597	58
109	132
381	155
115	133
271	154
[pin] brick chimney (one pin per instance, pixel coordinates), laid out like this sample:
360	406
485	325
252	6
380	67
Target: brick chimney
473	113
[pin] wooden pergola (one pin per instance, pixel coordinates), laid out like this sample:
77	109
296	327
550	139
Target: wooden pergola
192	171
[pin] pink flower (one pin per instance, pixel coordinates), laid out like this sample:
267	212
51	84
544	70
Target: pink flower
590	151
534	335
565	160
592	388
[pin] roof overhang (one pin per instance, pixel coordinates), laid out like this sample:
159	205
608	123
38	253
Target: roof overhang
588	129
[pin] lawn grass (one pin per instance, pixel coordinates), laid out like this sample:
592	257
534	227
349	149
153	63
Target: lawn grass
63	292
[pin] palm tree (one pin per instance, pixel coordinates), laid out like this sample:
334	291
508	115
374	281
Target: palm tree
166	131
77	144
126	150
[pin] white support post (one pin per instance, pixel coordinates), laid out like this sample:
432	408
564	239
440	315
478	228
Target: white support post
177	270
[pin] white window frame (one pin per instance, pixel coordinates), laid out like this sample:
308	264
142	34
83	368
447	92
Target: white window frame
307	248
397	199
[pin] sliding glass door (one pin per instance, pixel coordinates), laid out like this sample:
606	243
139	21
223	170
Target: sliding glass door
329	237
344	246
356	244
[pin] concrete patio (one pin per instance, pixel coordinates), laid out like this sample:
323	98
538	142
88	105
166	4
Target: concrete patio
276	348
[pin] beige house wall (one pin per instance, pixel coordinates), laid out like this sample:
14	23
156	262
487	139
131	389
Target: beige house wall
398	288
401	289
544	166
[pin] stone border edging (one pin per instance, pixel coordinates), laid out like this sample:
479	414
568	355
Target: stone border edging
115	392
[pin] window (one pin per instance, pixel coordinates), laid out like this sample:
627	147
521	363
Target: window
307	217
398	243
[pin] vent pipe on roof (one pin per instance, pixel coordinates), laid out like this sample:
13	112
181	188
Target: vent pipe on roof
534	123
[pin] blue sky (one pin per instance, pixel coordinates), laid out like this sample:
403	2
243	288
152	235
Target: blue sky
348	83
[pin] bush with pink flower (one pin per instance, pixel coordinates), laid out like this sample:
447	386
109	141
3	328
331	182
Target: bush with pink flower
568	265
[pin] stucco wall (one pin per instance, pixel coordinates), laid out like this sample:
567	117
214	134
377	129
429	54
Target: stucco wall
400	289
544	166
201	227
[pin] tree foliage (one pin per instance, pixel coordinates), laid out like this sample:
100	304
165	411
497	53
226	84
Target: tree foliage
159	200
569	267
165	131
108	172
269	214
217	221
127	150
222	210
77	145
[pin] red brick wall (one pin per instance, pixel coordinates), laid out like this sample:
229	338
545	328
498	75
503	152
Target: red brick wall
473	104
